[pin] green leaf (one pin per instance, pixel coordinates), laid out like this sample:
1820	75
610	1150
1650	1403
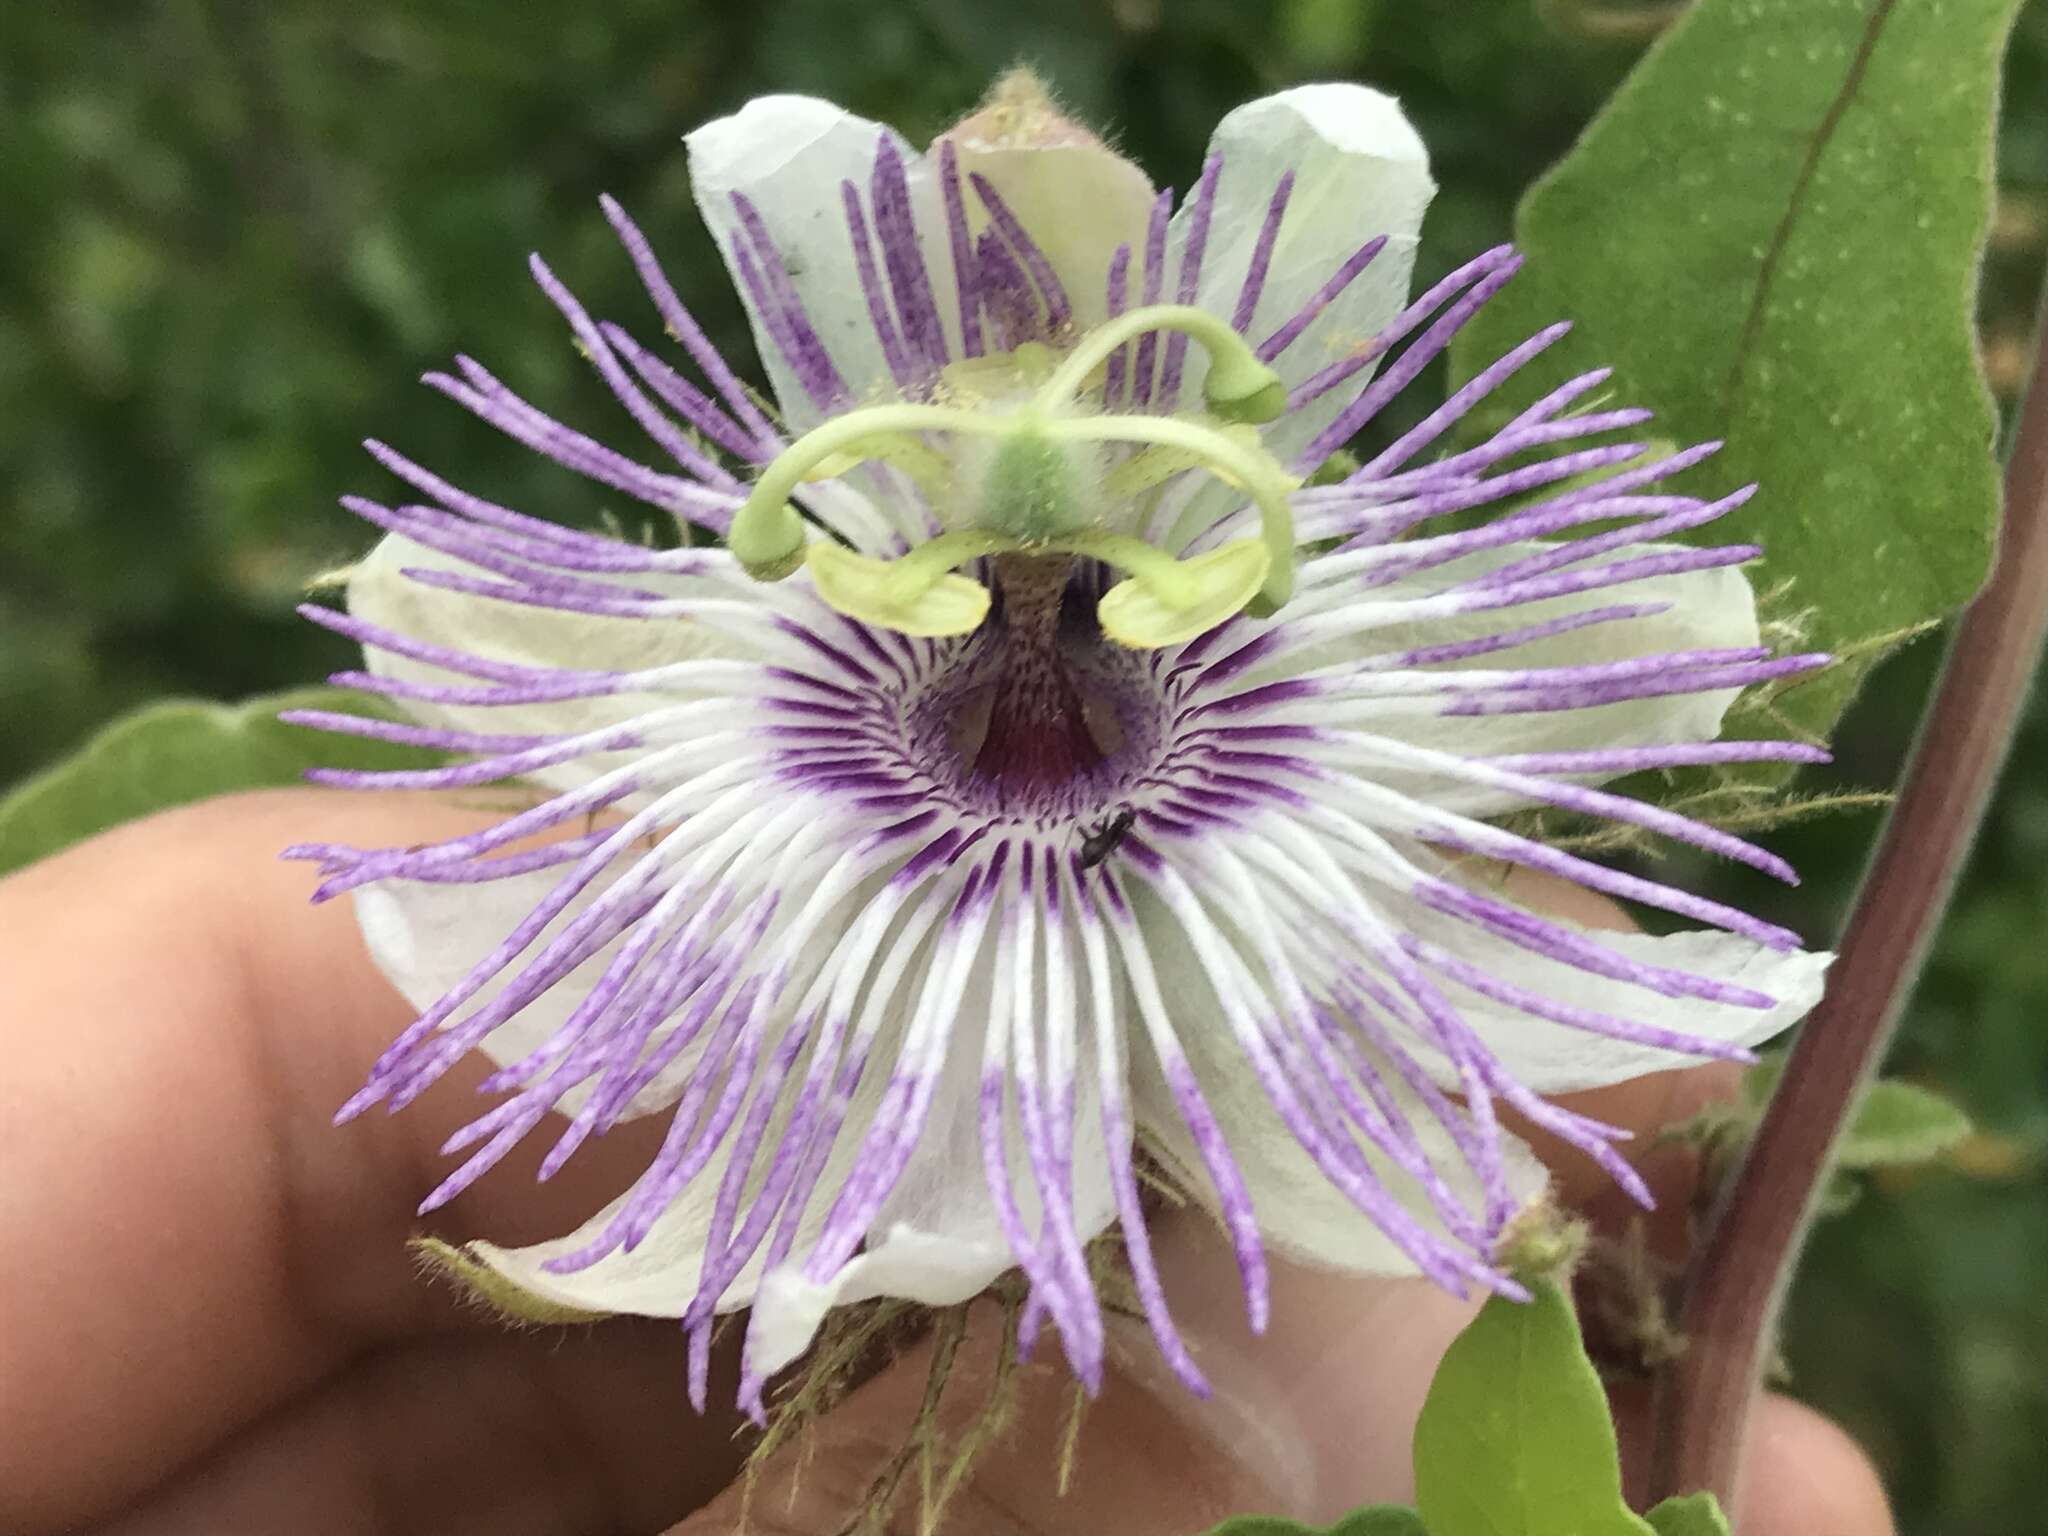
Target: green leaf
1901	1123
1772	233
1697	1514
1895	1122
1760	1082
1380	1520
1515	1437
179	751
1373	1520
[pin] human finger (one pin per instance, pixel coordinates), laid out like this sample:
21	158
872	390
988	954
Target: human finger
206	1244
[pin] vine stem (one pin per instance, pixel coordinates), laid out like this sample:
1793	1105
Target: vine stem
1740	1274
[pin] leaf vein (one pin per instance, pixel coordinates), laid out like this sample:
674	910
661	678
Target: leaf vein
1795	202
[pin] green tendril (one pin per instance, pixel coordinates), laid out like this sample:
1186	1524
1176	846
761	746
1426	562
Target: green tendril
1238	386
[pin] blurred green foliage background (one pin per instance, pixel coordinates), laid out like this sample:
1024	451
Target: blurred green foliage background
235	232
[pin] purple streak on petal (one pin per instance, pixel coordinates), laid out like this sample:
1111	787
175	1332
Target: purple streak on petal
815	373
1619	572
1613	1026
1500	774
1006	293
658	427
684	328
1322	299
1695	515
686	399
1542	937
1068	1307
1590	1136
1202	207
1361	994
513	1119
415	862
1143	377
1615	761
469	543
1538	698
692	980
965	280
1383	522
1540	520
1534	427
699	1124
1509	639
506	866
1259	648
740	1165
374	729
871	289
1594	672
1459	405
488	770
1113	378
1059	313
475	507
906	1102
1486	264
902	254
555	960
490	401
1399	374
1262	256
557	593
1380	1121
575	450
1116	1141
794	1153
365	633
1497	843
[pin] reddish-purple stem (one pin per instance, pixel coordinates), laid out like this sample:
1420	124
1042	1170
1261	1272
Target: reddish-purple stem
1740	1273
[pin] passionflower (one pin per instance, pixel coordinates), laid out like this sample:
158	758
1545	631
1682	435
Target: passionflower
1041	758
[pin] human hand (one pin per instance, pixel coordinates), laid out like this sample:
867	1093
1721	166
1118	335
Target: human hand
209	1321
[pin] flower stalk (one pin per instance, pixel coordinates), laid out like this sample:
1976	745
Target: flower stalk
1739	1277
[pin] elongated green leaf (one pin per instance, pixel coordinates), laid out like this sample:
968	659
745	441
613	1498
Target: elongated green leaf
1772	233
1515	1437
176	752
1697	1514
1373	1520
1901	1123
1895	1123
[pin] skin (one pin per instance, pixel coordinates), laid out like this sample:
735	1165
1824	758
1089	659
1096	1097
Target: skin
211	1323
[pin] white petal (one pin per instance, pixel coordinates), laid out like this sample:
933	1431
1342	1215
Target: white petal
1300	1212
379	593
1708	610
425	938
1359	170
1077	201
788	155
935	1240
1556	1058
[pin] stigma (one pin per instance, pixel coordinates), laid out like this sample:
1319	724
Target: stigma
1018	456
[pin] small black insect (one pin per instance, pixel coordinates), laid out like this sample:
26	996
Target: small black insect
1100	841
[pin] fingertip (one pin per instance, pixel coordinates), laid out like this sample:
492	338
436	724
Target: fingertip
1806	1477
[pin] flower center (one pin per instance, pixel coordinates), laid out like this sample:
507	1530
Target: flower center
1026	463
1036	730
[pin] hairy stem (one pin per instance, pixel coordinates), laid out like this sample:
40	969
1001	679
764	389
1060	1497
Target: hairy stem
1740	1275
